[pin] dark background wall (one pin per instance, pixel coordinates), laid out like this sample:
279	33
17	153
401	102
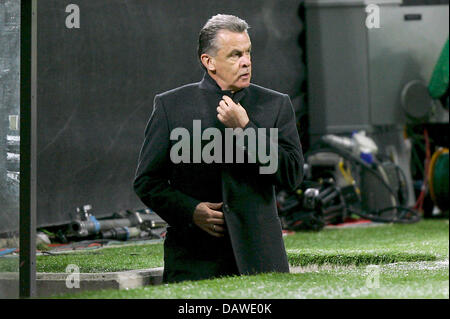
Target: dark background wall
96	86
9	112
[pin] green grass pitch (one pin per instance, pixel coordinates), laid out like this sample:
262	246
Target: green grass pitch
387	261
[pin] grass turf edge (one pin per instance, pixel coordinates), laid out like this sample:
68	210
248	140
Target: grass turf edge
357	258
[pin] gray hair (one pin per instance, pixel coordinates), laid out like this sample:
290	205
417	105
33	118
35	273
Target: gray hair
208	34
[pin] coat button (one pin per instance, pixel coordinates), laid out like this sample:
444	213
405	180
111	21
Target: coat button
226	209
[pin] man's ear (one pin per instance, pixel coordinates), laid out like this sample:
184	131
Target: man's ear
208	62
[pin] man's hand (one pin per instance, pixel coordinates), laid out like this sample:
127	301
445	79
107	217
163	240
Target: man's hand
208	218
231	114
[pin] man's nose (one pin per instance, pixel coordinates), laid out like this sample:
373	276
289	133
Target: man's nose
246	62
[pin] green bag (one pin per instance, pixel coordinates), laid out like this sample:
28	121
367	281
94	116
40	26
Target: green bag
438	85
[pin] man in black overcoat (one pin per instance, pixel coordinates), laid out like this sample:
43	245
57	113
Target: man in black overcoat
222	214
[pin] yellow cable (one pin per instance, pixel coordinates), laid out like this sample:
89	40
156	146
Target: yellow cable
348	176
436	154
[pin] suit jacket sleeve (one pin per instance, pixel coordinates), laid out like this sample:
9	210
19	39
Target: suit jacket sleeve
287	148
151	183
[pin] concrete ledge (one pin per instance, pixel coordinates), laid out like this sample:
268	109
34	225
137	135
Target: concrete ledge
51	284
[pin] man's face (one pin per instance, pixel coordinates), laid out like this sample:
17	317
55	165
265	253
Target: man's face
232	63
